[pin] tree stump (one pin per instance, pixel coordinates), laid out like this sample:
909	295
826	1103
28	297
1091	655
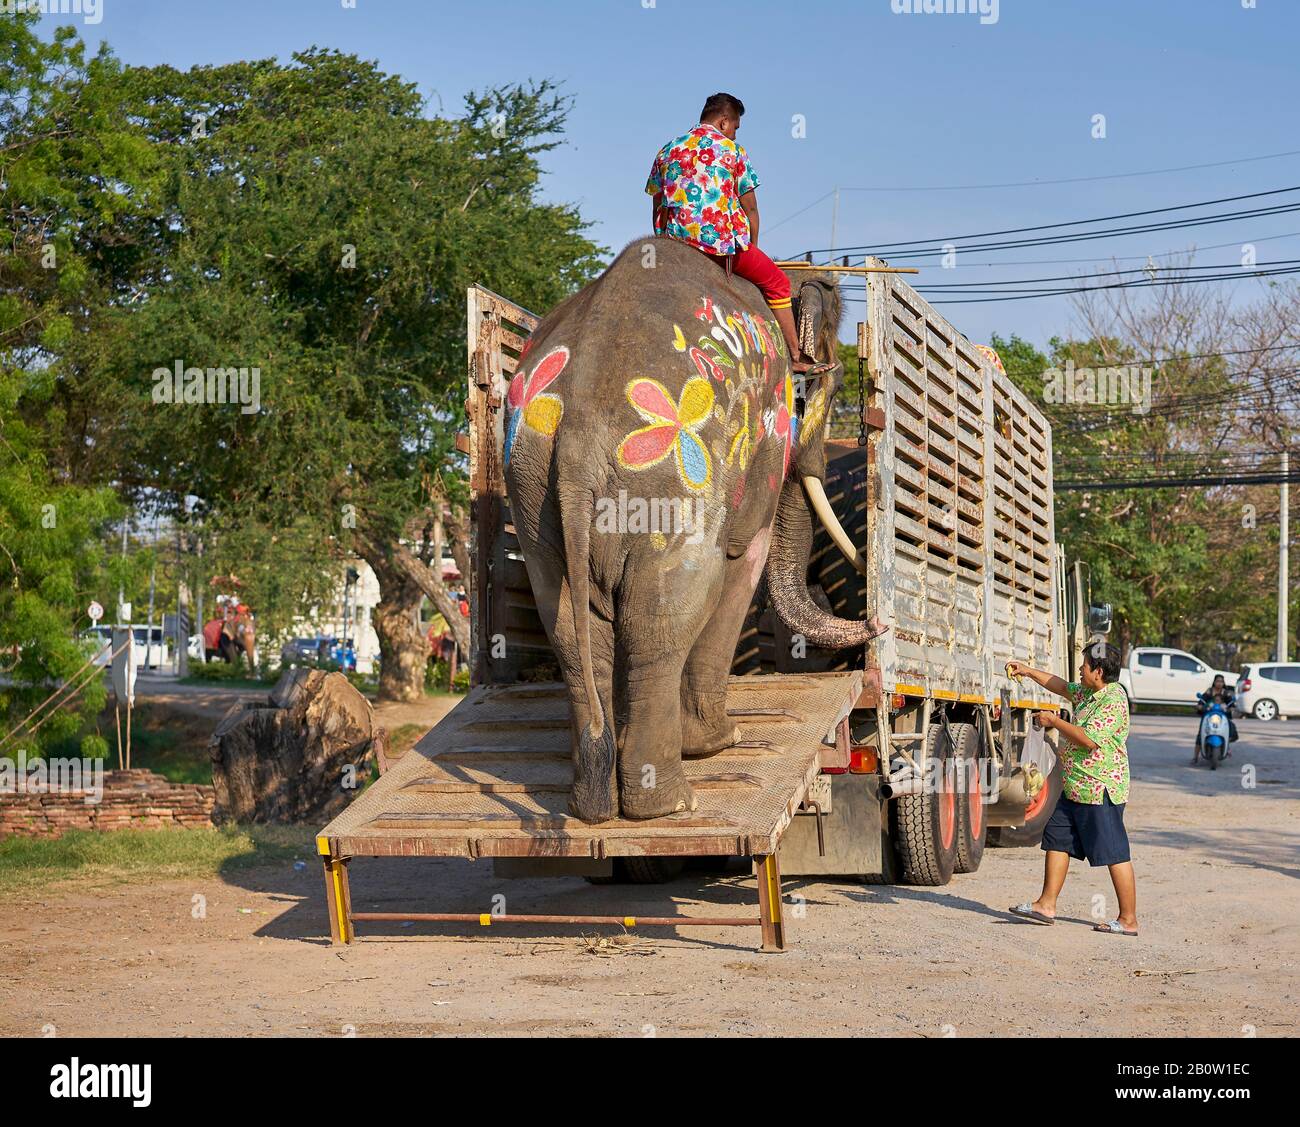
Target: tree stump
300	757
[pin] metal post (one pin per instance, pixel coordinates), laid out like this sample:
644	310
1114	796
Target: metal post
182	654
198	609
153	577
121	592
768	873
338	898
1283	631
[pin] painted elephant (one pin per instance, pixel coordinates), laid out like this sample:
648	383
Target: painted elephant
230	637
655	450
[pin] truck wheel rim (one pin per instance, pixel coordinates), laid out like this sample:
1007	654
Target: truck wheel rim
975	800
948	808
1036	806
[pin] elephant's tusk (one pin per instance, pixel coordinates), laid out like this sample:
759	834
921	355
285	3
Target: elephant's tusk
822	507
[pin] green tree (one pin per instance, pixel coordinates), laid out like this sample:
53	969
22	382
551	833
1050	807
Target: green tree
1165	558
73	171
52	564
321	231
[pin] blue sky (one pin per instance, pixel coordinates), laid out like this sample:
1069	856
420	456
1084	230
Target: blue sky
891	101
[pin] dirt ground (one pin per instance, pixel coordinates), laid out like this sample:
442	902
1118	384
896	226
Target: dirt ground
1217	871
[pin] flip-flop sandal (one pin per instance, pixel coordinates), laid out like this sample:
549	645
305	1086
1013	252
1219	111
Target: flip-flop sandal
819	369
1114	928
1026	912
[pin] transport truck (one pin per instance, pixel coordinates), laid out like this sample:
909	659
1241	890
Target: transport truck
899	762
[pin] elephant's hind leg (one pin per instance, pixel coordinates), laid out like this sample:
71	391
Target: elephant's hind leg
593	799
651	782
706	727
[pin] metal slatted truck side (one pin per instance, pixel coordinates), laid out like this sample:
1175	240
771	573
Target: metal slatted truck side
950	499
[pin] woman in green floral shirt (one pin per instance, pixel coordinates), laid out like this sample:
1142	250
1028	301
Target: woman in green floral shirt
1088	822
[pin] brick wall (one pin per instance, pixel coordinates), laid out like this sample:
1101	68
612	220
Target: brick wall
135	799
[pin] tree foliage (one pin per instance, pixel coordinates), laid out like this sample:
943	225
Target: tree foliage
1187	566
306	224
73	170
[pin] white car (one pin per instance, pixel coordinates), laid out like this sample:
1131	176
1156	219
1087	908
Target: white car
1159	675
155	654
1269	689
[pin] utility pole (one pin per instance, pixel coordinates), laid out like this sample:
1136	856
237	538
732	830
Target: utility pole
121	593
198	612
182	609
1283	640
835	216
153	577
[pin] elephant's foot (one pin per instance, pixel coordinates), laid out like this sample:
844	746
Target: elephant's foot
705	746
594	797
706	727
592	806
673	797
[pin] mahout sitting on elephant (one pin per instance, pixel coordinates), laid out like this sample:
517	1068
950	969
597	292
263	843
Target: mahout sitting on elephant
660	456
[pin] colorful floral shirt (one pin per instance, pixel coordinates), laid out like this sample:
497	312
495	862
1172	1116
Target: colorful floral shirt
702	175
1089	775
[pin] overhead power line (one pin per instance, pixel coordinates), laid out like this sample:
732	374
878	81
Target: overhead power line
1031	183
1092	236
1172	271
1134	284
1066	223
1061	291
1196	481
966	265
1073	179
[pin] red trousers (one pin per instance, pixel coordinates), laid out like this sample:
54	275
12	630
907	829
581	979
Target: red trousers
755	266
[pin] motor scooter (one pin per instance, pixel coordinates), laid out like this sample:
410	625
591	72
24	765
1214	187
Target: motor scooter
1212	736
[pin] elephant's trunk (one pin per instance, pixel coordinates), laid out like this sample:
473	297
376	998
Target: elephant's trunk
787	580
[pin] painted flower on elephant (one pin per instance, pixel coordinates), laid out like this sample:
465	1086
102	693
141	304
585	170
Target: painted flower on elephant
672	429
526	401
814	415
785	423
743	443
706	365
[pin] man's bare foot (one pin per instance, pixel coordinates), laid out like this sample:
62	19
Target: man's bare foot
806	364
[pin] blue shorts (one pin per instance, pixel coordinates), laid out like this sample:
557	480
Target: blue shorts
1091	832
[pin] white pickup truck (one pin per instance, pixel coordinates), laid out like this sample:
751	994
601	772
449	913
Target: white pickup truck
1157	675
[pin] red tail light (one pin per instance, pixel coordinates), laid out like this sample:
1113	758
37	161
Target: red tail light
863	761
1243	686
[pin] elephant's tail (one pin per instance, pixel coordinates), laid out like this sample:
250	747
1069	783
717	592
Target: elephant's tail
593	784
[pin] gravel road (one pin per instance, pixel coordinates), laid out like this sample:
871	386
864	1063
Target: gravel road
1217	865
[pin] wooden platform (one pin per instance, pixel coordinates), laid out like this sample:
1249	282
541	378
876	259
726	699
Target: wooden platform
493	778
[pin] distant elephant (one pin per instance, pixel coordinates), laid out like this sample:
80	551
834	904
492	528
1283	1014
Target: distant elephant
654	453
229	638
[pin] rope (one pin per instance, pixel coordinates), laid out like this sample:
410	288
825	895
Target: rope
69	683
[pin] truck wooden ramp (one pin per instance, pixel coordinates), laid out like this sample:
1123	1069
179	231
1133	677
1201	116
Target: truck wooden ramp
492	779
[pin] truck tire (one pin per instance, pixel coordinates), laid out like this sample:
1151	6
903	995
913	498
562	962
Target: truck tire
642	870
649	870
972	825
1036	815
925	825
